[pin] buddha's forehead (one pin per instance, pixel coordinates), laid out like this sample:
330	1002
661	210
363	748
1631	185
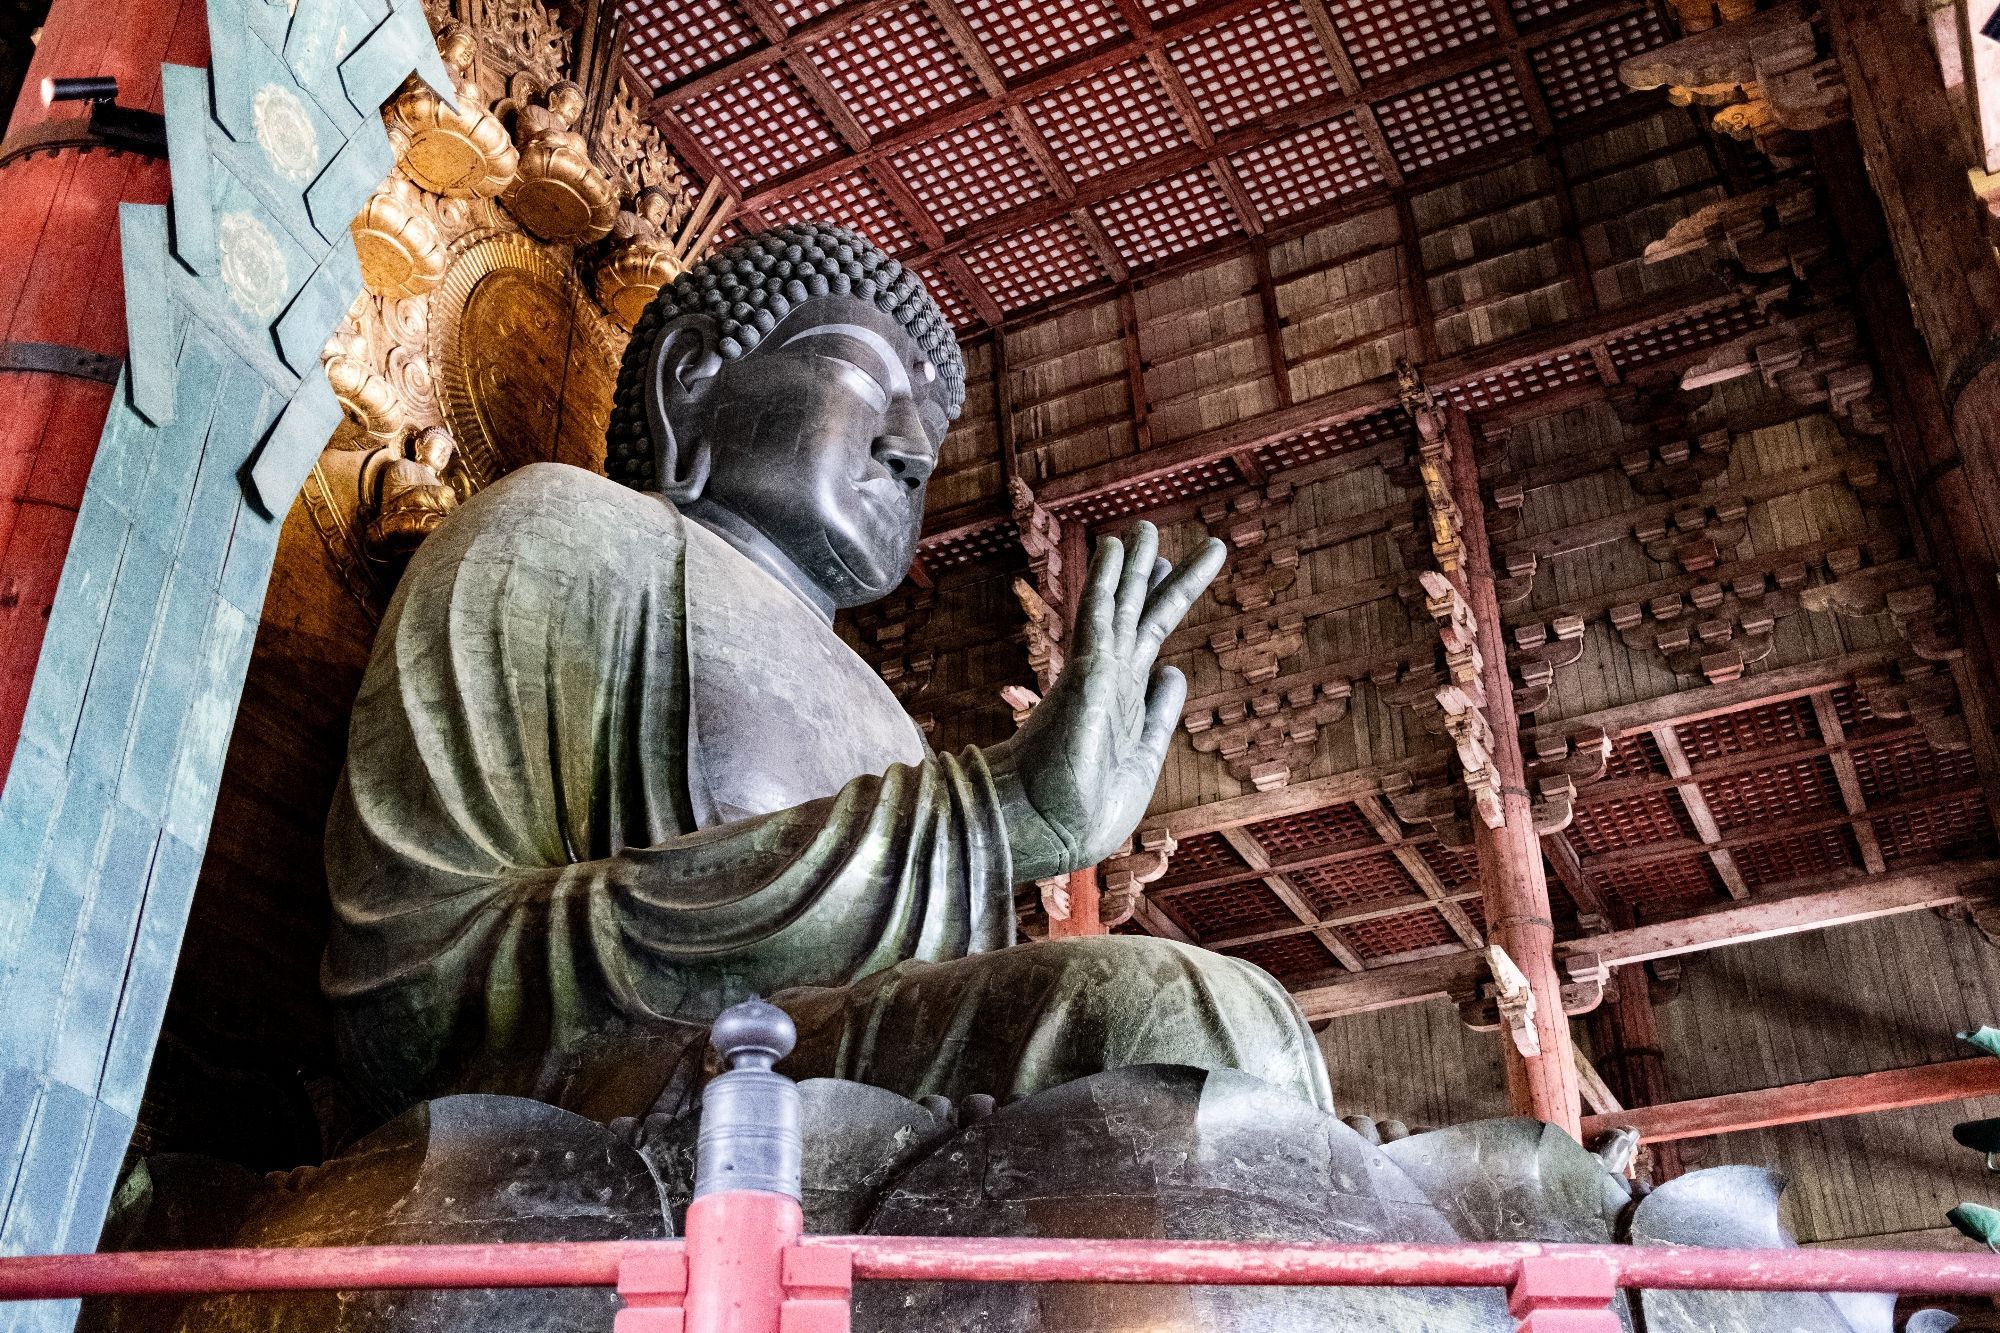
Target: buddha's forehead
859	326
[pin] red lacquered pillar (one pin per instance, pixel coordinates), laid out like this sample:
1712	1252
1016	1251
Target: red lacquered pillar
62	296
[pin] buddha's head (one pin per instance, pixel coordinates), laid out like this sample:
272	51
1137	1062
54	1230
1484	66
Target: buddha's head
653	204
795	385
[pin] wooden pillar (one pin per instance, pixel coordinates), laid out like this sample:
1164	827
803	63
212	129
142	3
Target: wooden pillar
1959	534
1917	160
62	294
1629	1056
1084	917
1515	890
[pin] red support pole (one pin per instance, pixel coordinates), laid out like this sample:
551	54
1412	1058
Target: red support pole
1564	1294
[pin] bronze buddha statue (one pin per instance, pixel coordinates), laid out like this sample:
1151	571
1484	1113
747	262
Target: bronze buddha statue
611	770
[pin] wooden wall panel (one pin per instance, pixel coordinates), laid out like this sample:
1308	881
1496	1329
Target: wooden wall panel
1881	995
969	461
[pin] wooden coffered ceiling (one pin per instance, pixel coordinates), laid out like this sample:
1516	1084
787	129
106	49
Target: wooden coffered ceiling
1018	153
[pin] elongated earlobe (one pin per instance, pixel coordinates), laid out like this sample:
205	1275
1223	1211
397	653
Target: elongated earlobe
684	365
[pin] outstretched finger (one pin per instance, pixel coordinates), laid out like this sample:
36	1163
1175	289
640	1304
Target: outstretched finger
1100	591
1164	698
1138	577
1172	598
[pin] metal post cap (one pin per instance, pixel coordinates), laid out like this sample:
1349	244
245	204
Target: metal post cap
750	1137
755	1034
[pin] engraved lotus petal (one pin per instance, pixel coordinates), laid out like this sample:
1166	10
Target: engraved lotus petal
460	152
400	250
559	195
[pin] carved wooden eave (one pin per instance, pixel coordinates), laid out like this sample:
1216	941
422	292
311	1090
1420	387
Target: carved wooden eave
1763	70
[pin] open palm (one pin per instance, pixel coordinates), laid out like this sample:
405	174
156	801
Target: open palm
1075	780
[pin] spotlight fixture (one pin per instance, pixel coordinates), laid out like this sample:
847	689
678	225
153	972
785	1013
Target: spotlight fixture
97	88
122	127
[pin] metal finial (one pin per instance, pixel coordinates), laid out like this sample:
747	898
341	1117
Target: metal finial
755	1034
750	1135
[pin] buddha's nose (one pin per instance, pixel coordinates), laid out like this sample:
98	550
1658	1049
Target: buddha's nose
904	449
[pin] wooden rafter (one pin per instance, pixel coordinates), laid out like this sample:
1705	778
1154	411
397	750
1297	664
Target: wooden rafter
1781	910
1696	804
1798	1103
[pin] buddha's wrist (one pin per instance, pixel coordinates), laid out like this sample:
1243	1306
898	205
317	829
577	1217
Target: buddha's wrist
1038	848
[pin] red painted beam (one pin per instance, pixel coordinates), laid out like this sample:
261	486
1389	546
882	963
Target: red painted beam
1797	1103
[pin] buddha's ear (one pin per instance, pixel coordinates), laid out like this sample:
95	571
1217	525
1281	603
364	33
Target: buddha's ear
682	371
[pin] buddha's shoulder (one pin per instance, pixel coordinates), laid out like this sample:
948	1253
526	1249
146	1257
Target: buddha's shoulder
568	505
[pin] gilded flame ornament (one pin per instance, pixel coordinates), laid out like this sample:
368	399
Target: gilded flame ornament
460	151
558	193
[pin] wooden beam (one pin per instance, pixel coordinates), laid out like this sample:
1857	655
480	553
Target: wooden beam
1696	804
1780	911
1849	779
1597	1094
1798	1103
1295	902
1257	806
1561	854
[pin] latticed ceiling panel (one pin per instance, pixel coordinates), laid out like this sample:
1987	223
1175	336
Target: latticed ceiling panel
894	67
1253	65
1457	867
1202	855
1628	821
1680	336
1959	826
945	291
1358	879
1168	217
1031	265
1893	769
1654	888
1308	169
969	174
853	199
1154	493
1796	856
1853	709
1314	830
761	127
671	39
1385	936
1455	117
1781	791
794	12
1518	382
1758	728
1023	36
1634	756
1109	120
1292	958
1384	35
1236	908
978	545
1579	74
1329	441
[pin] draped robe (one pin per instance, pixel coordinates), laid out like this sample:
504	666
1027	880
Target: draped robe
606	776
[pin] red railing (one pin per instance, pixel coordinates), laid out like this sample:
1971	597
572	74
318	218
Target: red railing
745	1269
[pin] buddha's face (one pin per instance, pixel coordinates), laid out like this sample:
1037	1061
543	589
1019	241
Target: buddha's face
821	438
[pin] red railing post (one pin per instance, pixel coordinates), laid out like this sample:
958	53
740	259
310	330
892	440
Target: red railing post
819	1290
1568	1293
654	1287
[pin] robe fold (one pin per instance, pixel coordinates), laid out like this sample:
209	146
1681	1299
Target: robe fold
606	777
